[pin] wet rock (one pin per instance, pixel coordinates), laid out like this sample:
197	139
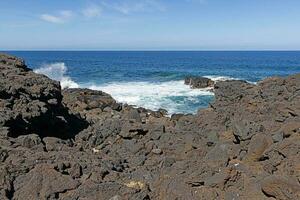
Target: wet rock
198	82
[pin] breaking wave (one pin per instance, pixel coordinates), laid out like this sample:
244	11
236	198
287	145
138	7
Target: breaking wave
220	78
57	71
174	96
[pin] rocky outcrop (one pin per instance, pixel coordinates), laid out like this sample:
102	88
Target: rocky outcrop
29	102
88	104
199	82
85	145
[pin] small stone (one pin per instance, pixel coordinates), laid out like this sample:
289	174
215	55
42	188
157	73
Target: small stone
277	137
212	138
108	109
157	151
61	167
117	197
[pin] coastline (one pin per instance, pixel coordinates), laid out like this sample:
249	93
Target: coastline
80	143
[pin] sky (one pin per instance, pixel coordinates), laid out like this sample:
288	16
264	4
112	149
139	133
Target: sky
150	25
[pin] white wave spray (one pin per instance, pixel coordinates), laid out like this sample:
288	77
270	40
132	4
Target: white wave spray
174	96
57	71
171	95
220	78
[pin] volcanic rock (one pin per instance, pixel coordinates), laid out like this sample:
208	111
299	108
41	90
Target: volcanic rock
82	144
281	187
199	82
30	102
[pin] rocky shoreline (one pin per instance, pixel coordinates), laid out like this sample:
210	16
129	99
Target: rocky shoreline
82	144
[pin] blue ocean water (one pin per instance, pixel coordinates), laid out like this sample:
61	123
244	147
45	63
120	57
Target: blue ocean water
154	79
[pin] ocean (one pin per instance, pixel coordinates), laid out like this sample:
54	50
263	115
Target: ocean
154	79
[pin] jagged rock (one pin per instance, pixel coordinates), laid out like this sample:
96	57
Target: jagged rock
156	151
218	156
76	170
258	144
198	82
3	154
133	114
228	92
135	130
55	144
6	186
30	141
97	133
88	103
45	183
281	187
30	102
88	146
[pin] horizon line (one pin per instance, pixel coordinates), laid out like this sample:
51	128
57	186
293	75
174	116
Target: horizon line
152	50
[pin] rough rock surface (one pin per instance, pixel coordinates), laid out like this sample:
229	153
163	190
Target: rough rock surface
199	82
82	144
30	102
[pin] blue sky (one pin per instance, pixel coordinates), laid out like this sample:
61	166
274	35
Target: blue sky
150	24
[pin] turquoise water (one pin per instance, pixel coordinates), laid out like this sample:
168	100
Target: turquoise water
155	79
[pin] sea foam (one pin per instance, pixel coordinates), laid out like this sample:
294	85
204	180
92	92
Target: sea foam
174	96
57	71
171	95
220	78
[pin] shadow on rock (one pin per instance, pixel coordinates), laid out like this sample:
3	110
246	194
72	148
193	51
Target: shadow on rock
32	103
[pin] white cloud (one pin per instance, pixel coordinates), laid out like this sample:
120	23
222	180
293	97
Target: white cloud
134	6
92	11
196	1
62	17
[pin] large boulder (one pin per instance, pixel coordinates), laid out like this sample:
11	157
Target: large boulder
29	102
281	187
88	104
43	182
